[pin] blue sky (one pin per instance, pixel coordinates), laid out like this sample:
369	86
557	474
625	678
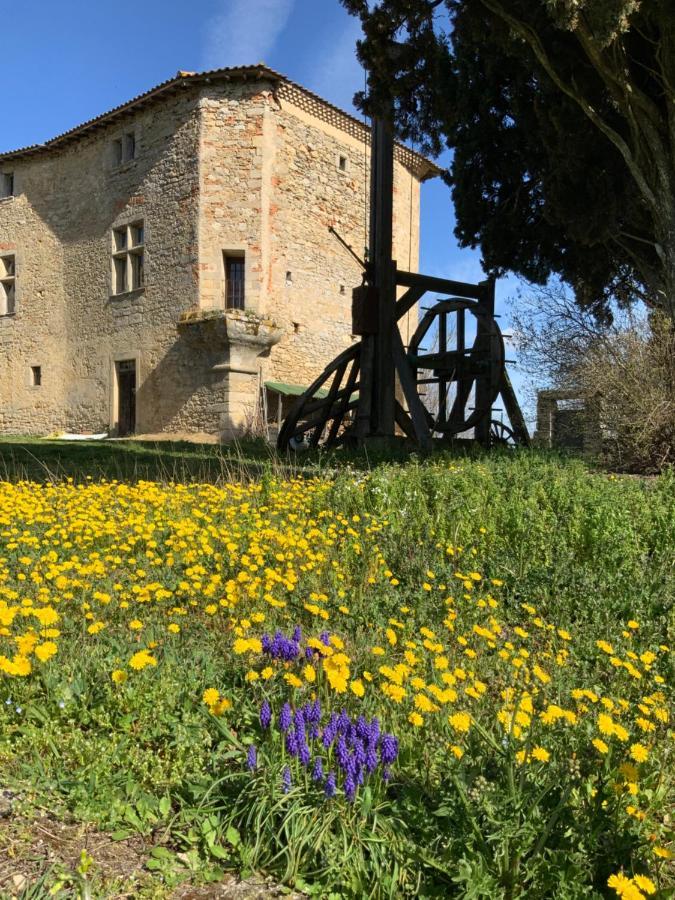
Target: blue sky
70	61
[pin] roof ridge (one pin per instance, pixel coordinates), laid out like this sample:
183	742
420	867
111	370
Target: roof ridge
349	123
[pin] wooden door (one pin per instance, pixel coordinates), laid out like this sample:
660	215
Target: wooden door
126	397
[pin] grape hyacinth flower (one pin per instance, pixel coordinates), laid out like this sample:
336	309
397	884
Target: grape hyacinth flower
285	717
388	749
317	769
304	755
252	758
265	714
350	788
330	786
286	779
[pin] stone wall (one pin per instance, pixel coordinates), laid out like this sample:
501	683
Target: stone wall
67	319
36	334
310	192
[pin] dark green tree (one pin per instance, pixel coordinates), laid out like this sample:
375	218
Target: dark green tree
561	118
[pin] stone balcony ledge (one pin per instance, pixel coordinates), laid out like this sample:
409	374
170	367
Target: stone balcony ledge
238	336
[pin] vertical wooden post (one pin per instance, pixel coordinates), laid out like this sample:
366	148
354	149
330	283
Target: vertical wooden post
383	275
442	384
487	303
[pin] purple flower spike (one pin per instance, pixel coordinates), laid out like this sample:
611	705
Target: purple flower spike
330	786
350	788
285	717
388	749
286	780
371	760
291	743
386	774
252	758
304	755
265	714
297	634
324	637
317	769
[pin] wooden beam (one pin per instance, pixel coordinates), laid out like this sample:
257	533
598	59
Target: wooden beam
440	285
408	383
483	345
406	301
513	411
384	272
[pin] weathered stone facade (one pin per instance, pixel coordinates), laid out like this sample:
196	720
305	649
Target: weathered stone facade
240	162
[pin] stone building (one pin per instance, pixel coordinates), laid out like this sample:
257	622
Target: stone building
162	261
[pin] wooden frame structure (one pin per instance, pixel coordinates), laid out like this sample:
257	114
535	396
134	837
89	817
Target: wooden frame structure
372	388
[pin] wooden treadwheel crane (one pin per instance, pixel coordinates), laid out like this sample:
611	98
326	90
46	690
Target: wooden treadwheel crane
372	389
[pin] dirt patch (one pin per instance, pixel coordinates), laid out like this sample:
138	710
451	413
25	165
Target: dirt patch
38	853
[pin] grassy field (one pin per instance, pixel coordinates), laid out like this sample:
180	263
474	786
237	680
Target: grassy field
440	678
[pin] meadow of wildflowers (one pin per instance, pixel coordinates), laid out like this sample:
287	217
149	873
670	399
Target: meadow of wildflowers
450	679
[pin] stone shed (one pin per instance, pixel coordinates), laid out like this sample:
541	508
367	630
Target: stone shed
163	261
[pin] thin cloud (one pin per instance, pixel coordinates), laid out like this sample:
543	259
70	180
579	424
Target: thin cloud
335	73
244	32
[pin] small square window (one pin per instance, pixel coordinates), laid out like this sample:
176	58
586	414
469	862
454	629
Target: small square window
36	376
6	185
342	163
124	148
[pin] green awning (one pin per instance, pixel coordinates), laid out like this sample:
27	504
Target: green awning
292	390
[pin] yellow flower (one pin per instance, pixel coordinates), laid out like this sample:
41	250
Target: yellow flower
135	625
624	887
309	674
460	721
174	628
600	745
357	687
639	753
45	650
293	680
456	751
220	707
663	853
267	673
142	659
540	754
119	676
377	651
633	624
645	884
416	719
210	695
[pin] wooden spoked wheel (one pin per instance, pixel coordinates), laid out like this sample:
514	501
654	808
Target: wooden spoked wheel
324	413
465	363
501	435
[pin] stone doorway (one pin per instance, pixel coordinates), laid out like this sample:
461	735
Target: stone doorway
125	371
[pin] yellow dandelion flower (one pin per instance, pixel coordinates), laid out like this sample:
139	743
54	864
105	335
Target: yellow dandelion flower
645	884
460	721
639	753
